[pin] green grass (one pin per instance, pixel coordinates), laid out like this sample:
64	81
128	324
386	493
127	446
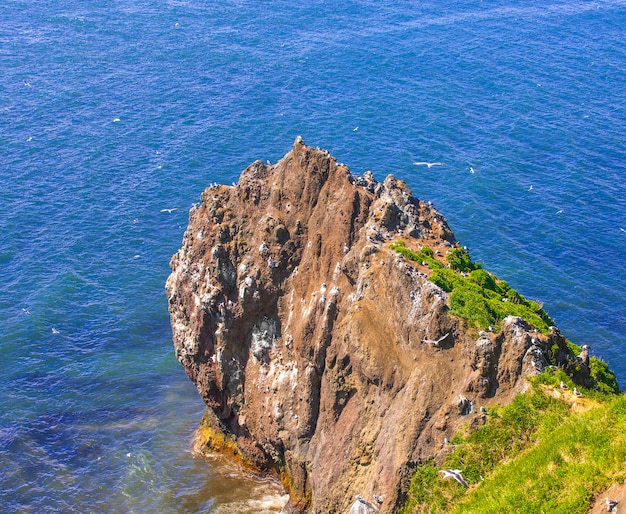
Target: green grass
483	300
604	377
535	455
475	294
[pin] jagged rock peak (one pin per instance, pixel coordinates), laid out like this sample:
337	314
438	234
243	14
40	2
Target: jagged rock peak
312	342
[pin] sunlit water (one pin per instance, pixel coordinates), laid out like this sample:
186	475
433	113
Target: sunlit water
112	112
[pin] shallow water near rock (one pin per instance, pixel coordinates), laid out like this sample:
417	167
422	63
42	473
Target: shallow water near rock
115	116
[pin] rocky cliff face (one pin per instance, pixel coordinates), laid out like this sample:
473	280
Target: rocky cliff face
319	351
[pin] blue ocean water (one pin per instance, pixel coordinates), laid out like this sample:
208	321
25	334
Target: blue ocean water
112	112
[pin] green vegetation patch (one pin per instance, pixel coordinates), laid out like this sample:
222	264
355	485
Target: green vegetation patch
534	455
483	300
475	294
604	377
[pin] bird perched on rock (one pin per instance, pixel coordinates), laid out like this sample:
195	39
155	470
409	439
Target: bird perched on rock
465	405
610	504
456	474
584	354
577	393
362	506
563	385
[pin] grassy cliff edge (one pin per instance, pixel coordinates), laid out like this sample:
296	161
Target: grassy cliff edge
548	451
552	449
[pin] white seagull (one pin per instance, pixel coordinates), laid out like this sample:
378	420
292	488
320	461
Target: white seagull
456	474
610	504
429	164
169	210
362	506
436	342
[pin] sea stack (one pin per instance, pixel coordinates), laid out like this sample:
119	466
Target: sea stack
308	336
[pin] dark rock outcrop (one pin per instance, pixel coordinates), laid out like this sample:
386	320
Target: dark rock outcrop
309	339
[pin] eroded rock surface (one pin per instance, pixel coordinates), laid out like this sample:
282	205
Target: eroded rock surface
311	341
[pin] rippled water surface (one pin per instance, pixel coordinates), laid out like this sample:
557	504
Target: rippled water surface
113	113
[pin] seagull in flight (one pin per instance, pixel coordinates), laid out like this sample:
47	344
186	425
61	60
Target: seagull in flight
429	164
610	504
456	474
436	342
623	229
169	210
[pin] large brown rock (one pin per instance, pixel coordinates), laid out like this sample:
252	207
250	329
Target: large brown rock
310	340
